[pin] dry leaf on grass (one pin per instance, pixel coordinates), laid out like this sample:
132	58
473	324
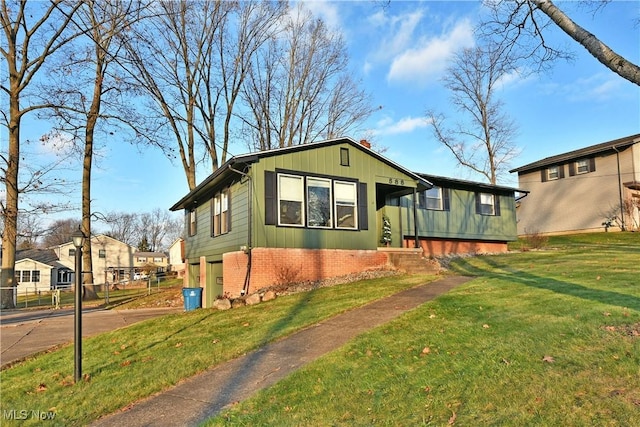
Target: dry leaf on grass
548	359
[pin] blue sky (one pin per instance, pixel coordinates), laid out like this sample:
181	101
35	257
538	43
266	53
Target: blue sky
400	53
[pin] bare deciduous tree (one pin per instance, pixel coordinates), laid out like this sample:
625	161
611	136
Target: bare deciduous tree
484	142
190	58
32	32
89	95
523	25
300	88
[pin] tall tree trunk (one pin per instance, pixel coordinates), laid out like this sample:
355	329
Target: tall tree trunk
89	292
7	276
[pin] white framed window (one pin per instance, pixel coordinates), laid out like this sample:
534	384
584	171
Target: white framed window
346	196
319	202
582	166
431	199
486	204
221	217
35	276
157	259
553	172
290	200
26	276
192	222
142	259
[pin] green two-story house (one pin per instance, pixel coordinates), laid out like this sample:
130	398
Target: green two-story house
314	211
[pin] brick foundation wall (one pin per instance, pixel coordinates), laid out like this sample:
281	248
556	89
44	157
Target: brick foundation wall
271	266
439	247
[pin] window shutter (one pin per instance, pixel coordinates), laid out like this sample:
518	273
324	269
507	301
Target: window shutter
363	217
478	204
572	169
561	170
496	197
270	198
543	175
445	199
592	164
228	191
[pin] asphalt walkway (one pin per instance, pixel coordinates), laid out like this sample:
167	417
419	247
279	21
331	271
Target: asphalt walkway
206	394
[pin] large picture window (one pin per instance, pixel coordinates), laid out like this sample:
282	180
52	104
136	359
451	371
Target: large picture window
346	202
319	202
314	201
290	200
221	221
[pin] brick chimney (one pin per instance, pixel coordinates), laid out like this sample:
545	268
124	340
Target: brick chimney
365	143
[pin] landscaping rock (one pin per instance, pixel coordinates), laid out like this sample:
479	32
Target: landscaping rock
252	299
222	304
268	296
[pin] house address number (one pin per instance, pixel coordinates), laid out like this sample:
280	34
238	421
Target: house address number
396	181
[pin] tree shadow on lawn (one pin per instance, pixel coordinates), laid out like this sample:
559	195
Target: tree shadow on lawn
540	282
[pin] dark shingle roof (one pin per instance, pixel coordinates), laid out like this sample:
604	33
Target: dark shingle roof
620	143
473	185
45	256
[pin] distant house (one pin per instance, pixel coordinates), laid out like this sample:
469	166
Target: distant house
176	256
150	262
112	259
581	190
316	210
38	270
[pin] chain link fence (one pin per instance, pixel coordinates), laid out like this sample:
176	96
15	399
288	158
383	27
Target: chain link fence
25	297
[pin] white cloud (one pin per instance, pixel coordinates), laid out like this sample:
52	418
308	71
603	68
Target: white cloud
599	87
408	124
328	11
427	60
399	33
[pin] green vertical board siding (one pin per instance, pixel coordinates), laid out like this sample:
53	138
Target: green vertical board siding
323	162
462	221
204	244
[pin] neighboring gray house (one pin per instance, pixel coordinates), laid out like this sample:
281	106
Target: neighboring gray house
578	191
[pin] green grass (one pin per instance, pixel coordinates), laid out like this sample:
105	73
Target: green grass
541	338
131	363
538	338
116	297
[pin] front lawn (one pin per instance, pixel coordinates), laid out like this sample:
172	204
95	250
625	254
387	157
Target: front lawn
542	338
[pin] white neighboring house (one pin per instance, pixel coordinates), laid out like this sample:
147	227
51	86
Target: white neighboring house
176	256
39	270
111	258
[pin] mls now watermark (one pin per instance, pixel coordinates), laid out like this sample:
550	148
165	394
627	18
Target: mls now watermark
27	414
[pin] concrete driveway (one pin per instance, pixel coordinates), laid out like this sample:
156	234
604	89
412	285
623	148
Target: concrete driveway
23	333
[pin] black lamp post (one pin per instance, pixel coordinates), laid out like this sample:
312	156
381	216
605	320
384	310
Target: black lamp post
78	241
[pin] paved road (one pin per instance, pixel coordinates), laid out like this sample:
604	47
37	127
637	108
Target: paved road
23	333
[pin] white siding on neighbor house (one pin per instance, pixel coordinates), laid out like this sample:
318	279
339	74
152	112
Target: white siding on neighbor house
175	256
116	255
31	286
578	203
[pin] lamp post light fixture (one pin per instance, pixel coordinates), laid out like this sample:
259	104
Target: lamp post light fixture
78	242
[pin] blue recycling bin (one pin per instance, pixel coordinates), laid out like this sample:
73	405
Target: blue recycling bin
192	298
